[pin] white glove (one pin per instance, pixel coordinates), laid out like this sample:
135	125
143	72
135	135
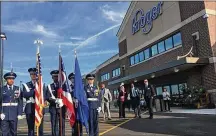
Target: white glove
59	102
2	116
19	117
17	93
99	109
76	103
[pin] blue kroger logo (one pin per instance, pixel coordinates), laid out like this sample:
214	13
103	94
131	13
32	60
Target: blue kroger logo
145	21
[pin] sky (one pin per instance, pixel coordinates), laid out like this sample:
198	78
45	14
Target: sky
90	28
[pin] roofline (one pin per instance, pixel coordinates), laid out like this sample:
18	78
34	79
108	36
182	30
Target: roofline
124	19
107	60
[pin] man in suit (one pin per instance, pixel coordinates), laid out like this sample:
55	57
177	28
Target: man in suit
135	99
106	99
12	106
149	94
29	95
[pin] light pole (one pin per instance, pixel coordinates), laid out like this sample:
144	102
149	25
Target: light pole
3	37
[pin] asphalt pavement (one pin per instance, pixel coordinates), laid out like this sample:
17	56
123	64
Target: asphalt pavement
163	124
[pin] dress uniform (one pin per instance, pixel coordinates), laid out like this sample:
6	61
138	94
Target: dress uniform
55	106
94	102
29	95
77	128
12	106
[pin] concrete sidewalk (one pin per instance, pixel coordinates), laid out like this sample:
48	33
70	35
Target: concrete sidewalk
180	110
194	111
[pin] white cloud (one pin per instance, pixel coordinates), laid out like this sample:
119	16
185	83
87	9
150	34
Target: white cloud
103	52
68	43
18	73
77	38
30	27
112	15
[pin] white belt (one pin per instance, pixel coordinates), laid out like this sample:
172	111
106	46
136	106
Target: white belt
31	100
92	99
9	104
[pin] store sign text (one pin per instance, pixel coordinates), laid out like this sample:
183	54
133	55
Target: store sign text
145	21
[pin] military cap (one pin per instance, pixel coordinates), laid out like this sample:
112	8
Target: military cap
71	75
90	76
32	70
10	75
54	73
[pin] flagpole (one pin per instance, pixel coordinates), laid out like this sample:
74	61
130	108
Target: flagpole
11	67
38	43
60	118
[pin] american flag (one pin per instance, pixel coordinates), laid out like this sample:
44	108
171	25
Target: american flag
39	98
64	94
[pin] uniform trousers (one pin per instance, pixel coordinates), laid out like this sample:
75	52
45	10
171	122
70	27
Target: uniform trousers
93	122
9	127
77	129
149	102
30	118
55	119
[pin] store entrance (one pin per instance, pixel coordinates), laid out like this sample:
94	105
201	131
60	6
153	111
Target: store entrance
175	90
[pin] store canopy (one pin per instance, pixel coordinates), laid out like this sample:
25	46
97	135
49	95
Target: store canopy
167	68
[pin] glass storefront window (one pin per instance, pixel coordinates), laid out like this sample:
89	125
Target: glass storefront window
159	90
113	73
182	87
168	88
168	43
174	89
146	52
154	50
177	39
141	56
136	58
132	60
161	47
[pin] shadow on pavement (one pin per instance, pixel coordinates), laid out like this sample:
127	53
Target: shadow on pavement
174	124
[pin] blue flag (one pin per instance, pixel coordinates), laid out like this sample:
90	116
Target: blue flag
83	110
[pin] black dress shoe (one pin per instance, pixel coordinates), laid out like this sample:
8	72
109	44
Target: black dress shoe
151	117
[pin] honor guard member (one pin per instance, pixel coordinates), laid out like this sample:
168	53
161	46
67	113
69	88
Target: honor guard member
77	128
12	106
29	95
55	105
94	102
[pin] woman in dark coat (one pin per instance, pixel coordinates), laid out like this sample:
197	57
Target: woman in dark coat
122	99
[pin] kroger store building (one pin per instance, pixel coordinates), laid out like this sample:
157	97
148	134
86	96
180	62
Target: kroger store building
173	44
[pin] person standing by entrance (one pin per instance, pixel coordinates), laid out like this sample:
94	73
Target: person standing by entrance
106	99
122	98
149	93
166	98
135	99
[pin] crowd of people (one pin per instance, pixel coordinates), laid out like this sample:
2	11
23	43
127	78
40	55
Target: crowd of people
98	100
137	99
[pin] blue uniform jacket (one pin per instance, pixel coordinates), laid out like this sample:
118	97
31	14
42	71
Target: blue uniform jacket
52	107
29	94
11	106
93	93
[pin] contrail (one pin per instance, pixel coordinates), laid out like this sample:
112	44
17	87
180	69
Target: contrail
92	37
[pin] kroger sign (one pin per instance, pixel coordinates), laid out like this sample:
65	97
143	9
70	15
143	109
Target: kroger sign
145	20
